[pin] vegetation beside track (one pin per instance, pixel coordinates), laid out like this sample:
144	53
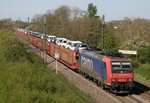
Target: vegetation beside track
142	65
24	78
142	73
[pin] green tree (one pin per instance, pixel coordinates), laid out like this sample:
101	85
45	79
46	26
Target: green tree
110	42
92	10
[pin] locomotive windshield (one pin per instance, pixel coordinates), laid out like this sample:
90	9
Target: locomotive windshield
123	67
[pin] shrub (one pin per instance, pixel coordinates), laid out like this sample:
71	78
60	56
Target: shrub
11	47
144	70
135	64
144	55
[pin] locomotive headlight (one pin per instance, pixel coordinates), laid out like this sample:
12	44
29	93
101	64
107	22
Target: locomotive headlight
113	79
130	80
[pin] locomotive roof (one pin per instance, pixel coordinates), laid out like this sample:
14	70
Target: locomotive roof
100	54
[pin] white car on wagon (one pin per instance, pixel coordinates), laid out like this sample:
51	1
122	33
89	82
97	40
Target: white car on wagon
73	44
59	40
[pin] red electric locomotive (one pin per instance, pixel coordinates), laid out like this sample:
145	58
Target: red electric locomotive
111	70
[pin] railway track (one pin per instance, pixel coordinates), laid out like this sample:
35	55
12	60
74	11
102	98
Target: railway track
141	91
142	87
139	94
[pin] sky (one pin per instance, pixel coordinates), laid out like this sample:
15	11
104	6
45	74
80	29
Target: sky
112	9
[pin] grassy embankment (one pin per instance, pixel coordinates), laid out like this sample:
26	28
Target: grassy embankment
142	73
25	79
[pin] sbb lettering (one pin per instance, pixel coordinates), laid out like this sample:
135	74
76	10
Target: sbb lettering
86	63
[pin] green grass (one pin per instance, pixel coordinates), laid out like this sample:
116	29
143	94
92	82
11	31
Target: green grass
142	73
24	78
25	82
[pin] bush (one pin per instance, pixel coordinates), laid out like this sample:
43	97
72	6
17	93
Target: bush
144	71
12	48
144	55
135	64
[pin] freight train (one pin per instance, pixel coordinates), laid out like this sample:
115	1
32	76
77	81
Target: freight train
111	70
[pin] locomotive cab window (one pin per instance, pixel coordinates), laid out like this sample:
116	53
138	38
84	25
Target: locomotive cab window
126	66
121	67
116	65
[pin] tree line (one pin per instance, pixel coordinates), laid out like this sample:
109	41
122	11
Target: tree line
86	26
74	24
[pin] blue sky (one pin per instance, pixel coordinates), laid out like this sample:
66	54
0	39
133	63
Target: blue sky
112	9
